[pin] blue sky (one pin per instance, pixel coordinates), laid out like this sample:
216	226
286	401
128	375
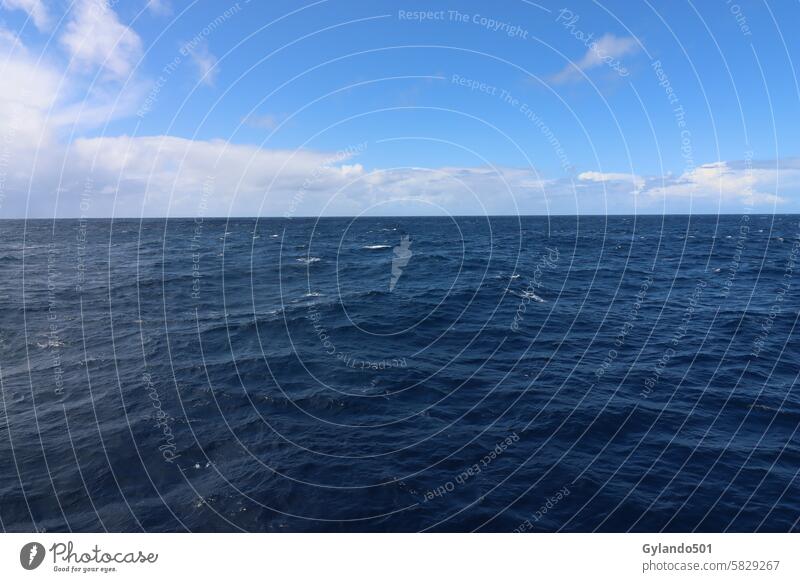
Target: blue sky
140	108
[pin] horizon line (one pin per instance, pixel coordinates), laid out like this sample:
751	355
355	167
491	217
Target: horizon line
338	216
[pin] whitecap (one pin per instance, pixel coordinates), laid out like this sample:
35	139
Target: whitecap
50	343
376	247
529	295
309	260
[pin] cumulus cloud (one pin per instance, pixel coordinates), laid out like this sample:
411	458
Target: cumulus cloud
95	38
733	184
35	9
39	107
738	181
38	100
29	91
607	50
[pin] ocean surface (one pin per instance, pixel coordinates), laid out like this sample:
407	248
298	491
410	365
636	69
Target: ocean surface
400	374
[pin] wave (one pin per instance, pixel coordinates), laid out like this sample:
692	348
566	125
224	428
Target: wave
529	295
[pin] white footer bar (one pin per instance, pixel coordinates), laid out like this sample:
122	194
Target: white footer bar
400	557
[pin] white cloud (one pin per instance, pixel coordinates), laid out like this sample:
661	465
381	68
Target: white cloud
29	91
41	101
34	8
608	50
722	180
204	62
40	106
636	181
95	37
159	7
163	175
730	184
266	121
9	41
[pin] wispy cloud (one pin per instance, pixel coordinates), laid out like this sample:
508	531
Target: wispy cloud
35	9
159	7
608	50
637	182
9	40
266	121
204	62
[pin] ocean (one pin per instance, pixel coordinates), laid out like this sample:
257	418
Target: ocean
386	374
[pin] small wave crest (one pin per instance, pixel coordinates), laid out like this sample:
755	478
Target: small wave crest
529	295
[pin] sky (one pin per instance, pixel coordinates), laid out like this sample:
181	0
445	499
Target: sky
137	108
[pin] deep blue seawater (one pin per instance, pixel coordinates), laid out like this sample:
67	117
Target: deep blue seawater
400	374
